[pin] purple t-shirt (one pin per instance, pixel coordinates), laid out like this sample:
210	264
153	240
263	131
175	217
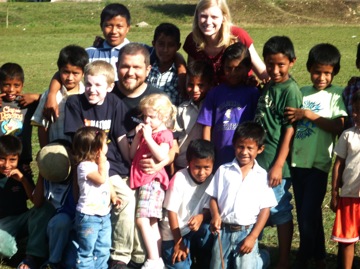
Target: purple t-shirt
224	108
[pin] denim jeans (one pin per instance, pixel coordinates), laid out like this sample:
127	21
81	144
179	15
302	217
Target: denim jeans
94	239
309	187
58	231
199	243
231	242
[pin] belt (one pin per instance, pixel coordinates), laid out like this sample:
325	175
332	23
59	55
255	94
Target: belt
235	227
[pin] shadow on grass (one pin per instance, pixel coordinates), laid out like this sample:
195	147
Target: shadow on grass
174	10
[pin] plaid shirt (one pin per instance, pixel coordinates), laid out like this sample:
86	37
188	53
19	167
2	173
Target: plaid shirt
166	81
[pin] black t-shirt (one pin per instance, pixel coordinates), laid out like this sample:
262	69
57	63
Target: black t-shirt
108	116
132	105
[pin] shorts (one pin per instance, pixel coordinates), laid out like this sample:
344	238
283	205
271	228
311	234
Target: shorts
281	213
347	221
150	200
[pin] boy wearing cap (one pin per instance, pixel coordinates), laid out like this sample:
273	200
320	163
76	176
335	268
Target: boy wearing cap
15	217
55	185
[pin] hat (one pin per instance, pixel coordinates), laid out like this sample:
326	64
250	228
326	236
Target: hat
53	162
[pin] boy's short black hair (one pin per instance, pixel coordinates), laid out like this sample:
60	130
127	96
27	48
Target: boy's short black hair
356	97
324	54
237	51
250	130
200	149
167	29
73	55
11	71
10	145
113	10
279	44
202	69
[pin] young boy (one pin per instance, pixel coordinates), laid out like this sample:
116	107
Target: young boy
240	203
15	119
98	107
184	203
163	73
199	77
282	91
229	104
318	123
71	63
345	177
352	87
16	220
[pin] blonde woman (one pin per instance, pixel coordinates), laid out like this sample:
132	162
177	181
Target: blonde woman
213	32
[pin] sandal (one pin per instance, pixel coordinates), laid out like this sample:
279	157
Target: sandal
30	261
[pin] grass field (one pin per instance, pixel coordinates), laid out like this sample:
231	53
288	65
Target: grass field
32	35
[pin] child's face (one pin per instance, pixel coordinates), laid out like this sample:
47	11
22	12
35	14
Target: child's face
115	30
152	118
356	113
246	151
166	48
8	163
96	88
235	72
321	76
278	66
11	87
70	76
196	87
210	21
200	169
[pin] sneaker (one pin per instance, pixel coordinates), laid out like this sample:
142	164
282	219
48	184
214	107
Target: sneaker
50	265
118	265
134	265
154	264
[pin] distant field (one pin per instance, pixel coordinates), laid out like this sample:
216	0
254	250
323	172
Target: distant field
37	31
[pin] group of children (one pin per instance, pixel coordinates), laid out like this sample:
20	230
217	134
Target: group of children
118	133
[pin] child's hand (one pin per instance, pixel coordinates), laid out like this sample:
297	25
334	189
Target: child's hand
334	200
195	222
180	252
16	174
215	225
101	158
248	244
275	176
294	114
28	98
116	202
147	132
51	108
138	128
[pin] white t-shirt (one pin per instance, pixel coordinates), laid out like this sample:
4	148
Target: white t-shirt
240	201
348	148
94	199
186	198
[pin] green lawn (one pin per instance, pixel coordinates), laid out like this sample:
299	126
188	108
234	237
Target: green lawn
37	31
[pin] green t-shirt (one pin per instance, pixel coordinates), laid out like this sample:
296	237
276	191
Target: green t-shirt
312	146
270	114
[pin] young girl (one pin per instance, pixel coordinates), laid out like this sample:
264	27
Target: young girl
93	224
152	136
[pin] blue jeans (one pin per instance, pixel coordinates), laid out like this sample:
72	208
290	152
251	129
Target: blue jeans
309	187
94	239
281	213
231	242
58	231
199	242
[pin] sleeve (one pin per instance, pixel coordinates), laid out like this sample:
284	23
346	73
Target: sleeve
85	168
165	137
38	119
338	105
205	116
73	115
174	194
212	189
241	35
190	46
293	99
341	146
